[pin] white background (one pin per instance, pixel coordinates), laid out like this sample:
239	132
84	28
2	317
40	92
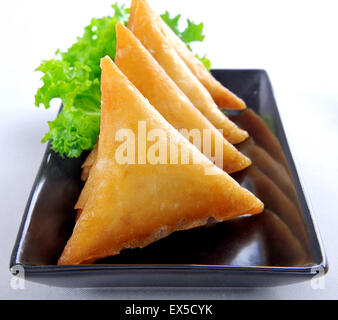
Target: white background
295	41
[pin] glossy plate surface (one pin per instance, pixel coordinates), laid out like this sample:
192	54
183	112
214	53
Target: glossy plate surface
279	246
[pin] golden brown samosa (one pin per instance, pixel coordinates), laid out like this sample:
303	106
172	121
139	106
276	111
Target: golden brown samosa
154	84
132	205
223	97
138	65
152	81
144	26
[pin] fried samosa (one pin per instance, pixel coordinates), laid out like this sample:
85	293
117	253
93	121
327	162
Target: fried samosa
144	26
133	204
138	65
155	85
152	81
223	97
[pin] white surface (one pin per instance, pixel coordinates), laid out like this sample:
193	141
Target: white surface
295	41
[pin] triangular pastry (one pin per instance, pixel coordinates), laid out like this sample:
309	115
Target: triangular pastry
154	84
138	65
150	79
133	205
223	97
144	26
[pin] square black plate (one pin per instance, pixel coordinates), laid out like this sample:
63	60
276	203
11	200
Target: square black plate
279	246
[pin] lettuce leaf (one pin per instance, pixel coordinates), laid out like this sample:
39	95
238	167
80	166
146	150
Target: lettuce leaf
98	40
76	127
193	32
172	22
74	77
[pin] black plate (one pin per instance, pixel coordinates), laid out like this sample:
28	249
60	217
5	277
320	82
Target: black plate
279	246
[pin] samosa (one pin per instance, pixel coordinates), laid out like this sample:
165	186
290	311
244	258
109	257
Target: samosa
134	204
223	97
144	26
152	81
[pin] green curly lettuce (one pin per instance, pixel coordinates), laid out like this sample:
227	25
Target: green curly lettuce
74	77
98	40
77	126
